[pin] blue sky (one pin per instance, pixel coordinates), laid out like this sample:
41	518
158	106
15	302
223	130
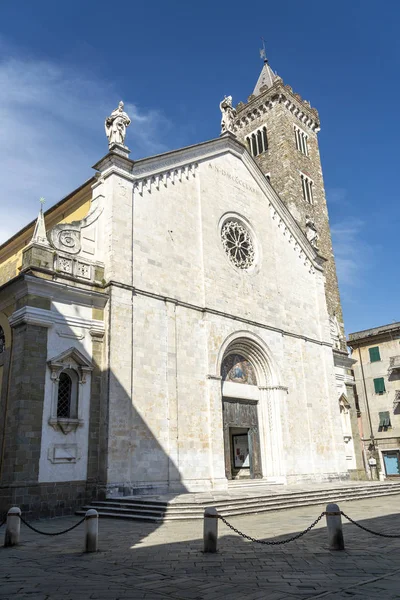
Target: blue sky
65	65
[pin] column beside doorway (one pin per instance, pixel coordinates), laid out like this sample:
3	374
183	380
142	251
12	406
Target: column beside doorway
270	417
217	459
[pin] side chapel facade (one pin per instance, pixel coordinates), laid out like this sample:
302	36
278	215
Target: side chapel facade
175	322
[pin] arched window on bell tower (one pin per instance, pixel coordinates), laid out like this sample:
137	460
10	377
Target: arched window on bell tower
257	141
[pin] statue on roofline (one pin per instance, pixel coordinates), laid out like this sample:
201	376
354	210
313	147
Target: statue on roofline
228	114
116	124
312	233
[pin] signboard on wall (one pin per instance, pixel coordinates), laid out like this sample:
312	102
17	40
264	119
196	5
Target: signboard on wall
241	455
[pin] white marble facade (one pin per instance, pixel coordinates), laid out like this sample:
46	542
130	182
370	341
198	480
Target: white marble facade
177	305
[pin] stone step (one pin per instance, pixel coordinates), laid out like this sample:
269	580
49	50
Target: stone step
103	512
234	503
130	516
121	509
142	510
258	497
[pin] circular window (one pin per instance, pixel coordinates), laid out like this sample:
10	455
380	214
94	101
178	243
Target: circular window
238	244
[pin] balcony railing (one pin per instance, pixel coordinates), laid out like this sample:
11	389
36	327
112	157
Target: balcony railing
394	364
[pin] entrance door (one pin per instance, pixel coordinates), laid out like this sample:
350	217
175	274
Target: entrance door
241	439
241	456
392	464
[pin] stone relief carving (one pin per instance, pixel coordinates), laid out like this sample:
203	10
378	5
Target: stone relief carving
64	264
312	233
66	237
83	270
115	126
228	114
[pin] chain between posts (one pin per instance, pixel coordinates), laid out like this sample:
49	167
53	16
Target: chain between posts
299	535
268	543
384	535
48	532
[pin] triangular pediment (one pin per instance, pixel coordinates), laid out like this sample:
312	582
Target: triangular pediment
344	402
71	354
150	174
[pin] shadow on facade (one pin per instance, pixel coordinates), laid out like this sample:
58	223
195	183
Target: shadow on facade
36	474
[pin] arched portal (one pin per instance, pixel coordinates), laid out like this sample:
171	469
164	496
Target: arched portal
248	376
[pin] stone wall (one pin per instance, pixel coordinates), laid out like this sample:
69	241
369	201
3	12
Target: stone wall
45	499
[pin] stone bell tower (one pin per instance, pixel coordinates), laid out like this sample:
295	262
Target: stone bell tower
280	130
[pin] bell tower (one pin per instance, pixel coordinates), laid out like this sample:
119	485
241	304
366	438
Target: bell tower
280	131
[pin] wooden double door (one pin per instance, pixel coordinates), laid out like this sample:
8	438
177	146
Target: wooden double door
241	439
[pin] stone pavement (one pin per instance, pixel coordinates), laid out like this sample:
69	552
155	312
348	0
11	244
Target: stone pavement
160	561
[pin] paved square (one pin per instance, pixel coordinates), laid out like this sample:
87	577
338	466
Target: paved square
146	561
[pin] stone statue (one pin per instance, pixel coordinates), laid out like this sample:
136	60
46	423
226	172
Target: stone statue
228	114
335	332
312	233
116	124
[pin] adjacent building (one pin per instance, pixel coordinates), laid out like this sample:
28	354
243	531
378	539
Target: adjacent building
376	353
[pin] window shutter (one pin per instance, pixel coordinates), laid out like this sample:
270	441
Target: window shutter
384	419
379	384
374	354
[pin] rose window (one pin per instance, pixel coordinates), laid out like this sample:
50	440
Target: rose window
238	244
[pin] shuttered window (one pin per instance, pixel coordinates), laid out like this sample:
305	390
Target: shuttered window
379	385
374	355
384	420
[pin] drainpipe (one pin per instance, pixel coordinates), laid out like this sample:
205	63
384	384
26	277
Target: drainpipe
366	398
367	407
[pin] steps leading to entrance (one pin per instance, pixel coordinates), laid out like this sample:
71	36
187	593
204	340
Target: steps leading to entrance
191	506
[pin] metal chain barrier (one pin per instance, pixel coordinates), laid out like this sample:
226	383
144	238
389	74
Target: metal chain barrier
49	533
385	535
267	543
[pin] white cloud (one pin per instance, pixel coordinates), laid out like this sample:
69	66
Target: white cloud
353	255
337	195
52	131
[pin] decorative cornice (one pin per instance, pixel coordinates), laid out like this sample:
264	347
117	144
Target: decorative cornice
97	334
277	94
31	316
165	178
62	292
47	318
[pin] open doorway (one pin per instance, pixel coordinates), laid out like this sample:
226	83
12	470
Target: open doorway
240	452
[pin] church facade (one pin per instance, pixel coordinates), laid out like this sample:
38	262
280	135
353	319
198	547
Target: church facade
175	322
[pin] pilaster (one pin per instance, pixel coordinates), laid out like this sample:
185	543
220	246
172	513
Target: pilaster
217	432
25	404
